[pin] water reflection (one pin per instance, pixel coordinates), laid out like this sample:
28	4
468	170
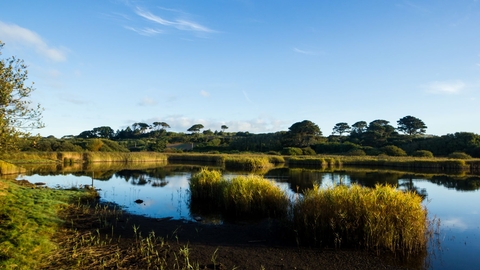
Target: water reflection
163	190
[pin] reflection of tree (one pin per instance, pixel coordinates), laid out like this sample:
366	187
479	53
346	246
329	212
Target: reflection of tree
372	178
465	184
410	186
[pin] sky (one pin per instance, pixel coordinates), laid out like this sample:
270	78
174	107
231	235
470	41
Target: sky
256	66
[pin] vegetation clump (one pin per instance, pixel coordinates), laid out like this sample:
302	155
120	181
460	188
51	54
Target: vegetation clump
242	196
459	155
423	153
380	218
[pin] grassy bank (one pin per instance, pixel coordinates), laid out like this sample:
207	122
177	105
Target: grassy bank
28	221
246	162
82	157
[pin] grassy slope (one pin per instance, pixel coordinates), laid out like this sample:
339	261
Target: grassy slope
28	221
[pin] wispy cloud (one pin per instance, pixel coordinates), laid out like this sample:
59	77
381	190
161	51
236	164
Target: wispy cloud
16	34
246	97
445	87
147	102
179	24
204	93
145	31
297	50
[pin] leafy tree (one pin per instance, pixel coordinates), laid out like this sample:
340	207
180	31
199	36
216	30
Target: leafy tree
195	128
224	127
17	117
378	132
341	128
359	127
411	125
302	134
103	132
163	125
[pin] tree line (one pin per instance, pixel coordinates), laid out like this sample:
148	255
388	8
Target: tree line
18	116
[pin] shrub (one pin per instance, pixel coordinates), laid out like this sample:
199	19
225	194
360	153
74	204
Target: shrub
308	151
423	153
356	152
393	150
459	155
292	151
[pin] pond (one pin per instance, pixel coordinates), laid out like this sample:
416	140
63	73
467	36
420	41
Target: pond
163	191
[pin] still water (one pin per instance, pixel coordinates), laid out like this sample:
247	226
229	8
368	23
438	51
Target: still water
164	192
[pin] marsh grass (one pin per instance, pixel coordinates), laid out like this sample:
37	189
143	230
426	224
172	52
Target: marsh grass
28	220
91	157
247	163
382	218
249	196
8	168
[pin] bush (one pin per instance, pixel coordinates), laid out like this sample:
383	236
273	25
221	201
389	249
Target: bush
459	155
356	152
292	151
423	153
393	150
308	151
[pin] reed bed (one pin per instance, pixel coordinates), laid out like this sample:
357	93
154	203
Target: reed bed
407	162
314	161
203	158
382	218
249	196
247	163
91	157
8	168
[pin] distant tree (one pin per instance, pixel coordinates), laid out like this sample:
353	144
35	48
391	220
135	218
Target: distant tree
224	127
195	128
359	127
17	117
303	134
103	132
208	132
411	125
341	128
140	128
161	125
378	132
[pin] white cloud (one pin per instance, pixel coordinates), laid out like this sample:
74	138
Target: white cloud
445	87
180	24
16	34
204	93
261	124
145	31
147	102
305	52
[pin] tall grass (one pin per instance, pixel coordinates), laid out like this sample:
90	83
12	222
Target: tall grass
91	157
314	161
242	196
8	168
247	163
380	218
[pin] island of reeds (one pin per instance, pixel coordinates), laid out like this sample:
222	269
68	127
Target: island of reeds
380	218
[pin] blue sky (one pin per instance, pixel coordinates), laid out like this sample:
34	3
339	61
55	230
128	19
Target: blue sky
256	66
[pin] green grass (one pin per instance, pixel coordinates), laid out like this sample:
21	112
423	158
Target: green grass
28	220
382	218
